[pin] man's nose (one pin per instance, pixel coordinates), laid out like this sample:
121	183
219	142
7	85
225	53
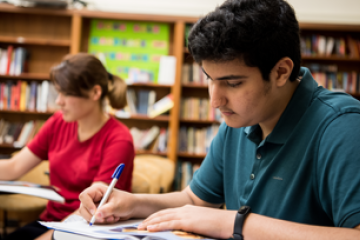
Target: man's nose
216	96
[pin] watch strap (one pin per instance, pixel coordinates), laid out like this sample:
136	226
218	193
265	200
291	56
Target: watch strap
239	222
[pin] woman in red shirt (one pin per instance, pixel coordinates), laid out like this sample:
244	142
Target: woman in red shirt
83	144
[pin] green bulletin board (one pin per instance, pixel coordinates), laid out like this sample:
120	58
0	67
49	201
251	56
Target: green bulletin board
129	48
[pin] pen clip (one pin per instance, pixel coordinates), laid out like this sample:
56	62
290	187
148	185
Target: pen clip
118	171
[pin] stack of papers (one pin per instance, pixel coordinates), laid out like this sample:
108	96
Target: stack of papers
77	226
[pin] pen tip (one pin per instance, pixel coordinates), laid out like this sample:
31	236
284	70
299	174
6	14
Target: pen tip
90	224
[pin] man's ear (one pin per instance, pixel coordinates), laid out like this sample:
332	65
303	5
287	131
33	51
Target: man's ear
282	70
96	92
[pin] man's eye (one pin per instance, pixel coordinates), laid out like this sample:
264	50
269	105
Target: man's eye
233	84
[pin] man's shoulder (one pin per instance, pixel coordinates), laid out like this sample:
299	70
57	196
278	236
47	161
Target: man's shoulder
337	102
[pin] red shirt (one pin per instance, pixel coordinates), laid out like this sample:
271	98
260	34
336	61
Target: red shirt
75	165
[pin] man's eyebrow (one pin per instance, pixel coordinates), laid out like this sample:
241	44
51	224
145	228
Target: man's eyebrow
228	77
232	77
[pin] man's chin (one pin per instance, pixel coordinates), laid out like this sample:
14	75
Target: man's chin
233	124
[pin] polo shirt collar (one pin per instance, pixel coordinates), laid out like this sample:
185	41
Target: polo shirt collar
293	112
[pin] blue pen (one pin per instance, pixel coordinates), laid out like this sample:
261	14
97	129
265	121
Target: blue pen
115	178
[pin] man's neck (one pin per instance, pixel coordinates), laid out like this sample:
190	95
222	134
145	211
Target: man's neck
268	126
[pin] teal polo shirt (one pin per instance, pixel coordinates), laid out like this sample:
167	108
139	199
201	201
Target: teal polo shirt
307	170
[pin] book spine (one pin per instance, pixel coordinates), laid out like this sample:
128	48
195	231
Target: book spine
9	56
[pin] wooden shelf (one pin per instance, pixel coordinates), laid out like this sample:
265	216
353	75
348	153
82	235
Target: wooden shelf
27	76
26	112
13	9
190	155
151	152
329	27
153	85
34	41
160	118
198	121
8	146
134	16
330	58
193	85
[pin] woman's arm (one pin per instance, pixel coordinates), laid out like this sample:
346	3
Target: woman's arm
17	166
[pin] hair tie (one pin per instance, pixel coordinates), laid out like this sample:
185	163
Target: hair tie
110	76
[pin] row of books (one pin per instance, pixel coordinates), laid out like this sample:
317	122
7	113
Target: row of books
184	173
198	109
139	102
144	102
18	134
319	45
13	60
154	139
193	73
329	77
24	96
196	140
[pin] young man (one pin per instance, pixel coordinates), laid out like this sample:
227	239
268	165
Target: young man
288	154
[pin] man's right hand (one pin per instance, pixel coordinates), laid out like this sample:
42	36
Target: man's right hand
118	207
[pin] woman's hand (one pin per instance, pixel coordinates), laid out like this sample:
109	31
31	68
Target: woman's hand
119	206
212	222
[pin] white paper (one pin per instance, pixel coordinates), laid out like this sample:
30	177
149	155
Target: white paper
167	70
37	192
77	225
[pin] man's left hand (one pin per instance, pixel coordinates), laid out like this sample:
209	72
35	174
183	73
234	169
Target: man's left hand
211	222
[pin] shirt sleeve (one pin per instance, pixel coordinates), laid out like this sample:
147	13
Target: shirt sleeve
339	170
39	145
115	152
207	182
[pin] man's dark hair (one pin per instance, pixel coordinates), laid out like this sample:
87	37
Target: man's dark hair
260	32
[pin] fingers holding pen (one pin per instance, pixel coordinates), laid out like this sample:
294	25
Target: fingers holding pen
89	197
117	207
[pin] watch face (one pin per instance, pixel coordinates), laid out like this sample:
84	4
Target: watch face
244	209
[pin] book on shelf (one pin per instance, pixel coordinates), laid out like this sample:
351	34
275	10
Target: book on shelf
131	100
13	60
153	139
196	140
18	134
23	96
161	106
143	101
163	139
37	190
330	78
198	109
167	70
193	74
138	103
353	46
320	45
75	227
184	174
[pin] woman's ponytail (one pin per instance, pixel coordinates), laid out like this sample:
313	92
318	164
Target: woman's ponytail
116	92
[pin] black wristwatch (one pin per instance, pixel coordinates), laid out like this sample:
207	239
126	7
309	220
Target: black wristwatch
239	222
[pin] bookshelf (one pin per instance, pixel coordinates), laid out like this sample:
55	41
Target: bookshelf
49	34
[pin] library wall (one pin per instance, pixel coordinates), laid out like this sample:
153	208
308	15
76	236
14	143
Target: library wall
322	11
